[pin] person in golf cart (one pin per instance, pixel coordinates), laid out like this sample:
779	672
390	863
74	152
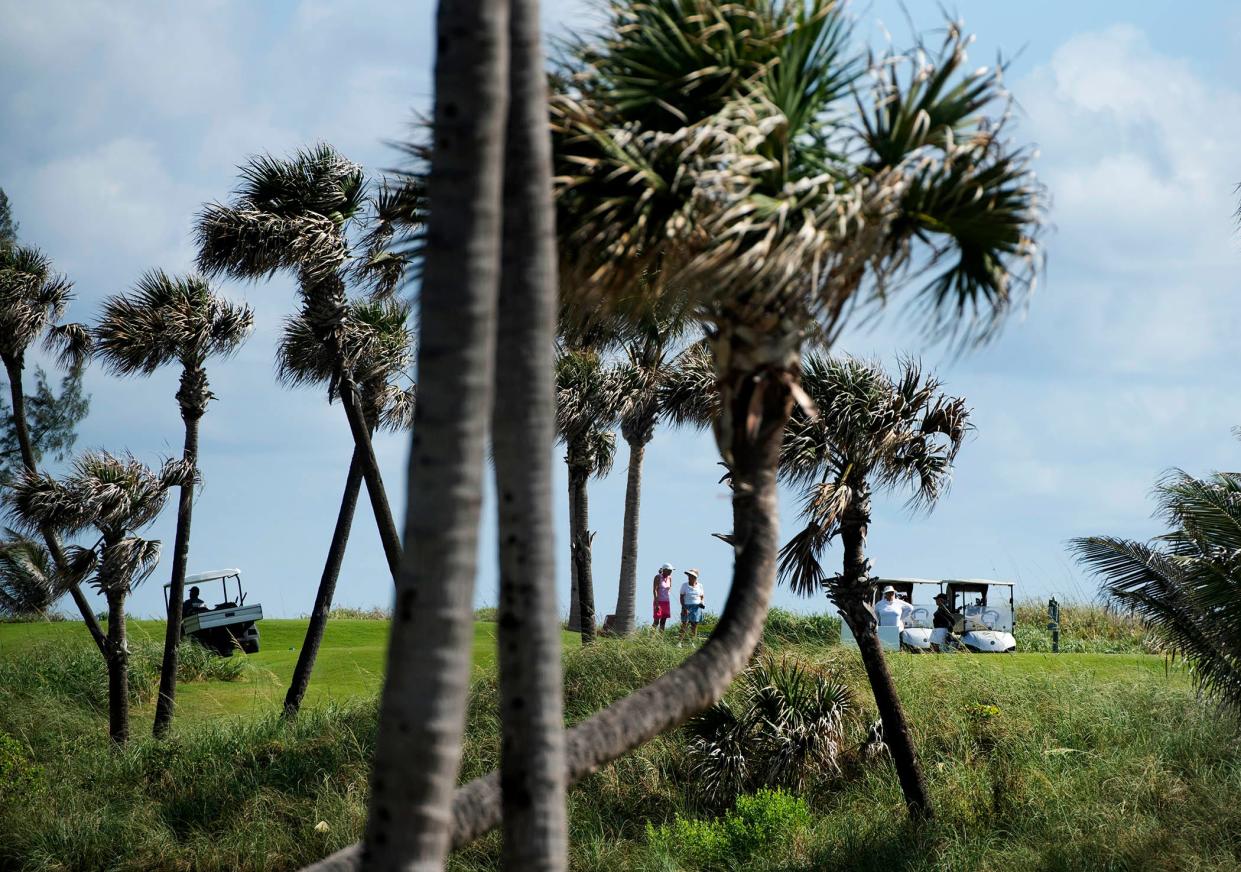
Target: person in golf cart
944	622
193	605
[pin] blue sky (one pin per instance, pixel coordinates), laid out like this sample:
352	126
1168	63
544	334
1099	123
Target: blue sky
121	118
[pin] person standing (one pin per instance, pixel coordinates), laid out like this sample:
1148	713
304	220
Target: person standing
892	612
944	621
662	594
693	604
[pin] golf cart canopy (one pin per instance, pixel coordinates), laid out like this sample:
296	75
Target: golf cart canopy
199	577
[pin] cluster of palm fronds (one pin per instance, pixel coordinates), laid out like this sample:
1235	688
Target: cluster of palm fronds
28	581
789	727
1187	582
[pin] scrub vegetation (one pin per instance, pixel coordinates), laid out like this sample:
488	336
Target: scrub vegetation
1034	761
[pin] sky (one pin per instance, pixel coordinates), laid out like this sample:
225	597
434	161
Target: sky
122	118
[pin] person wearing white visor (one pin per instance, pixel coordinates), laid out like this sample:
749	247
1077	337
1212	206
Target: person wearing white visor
891	611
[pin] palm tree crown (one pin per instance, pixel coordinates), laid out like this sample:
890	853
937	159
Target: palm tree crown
588	399
33	297
871	432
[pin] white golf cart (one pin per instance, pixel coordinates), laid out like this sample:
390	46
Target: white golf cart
225	627
987	612
915	635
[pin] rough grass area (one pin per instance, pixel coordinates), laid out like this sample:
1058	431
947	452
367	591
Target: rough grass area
1036	762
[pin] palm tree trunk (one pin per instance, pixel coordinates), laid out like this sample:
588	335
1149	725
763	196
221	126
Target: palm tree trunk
523	427
580	548
574	624
896	733
698	683
627	594
371	474
191	414
327	588
422	712
118	670
13	368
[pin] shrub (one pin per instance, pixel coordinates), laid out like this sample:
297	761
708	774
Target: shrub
350	613
491	614
759	824
789	628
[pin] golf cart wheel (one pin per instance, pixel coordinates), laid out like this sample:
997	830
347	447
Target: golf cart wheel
250	646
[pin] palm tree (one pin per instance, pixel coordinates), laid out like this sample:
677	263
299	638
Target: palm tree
379	344
33	298
29	584
422	708
872	433
728	150
588	397
116	497
523	428
167	320
650	344
296	215
1185	583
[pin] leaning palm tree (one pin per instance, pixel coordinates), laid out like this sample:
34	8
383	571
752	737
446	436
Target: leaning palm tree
114	497
170	319
730	150
379	345
650	339
33	297
588	399
296	215
872	433
1186	583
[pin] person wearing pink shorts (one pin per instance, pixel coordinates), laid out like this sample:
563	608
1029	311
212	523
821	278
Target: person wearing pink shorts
662	590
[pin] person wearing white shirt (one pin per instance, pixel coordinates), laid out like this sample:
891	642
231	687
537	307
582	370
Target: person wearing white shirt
693	604
892	612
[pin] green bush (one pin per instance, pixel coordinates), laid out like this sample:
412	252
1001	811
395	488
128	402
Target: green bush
762	823
789	628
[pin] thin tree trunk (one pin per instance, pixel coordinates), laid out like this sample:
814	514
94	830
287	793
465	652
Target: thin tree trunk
371	474
862	623
327	588
523	430
118	670
575	604
16	392
165	704
626	597
702	679
422	712
580	550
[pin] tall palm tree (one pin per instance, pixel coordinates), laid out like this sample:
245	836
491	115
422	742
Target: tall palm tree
872	433
33	298
422	708
731	150
115	497
379	345
1185	583
650	341
588	397
523	426
169	319
296	215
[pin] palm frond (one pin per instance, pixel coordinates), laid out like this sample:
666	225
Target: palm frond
33	296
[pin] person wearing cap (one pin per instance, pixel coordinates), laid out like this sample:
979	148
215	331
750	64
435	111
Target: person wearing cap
891	611
943	622
662	594
693	604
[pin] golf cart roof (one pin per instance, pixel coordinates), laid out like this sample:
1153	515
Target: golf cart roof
211	576
976	582
906	581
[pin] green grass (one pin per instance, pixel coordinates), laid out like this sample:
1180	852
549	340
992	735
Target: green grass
349	666
1054	763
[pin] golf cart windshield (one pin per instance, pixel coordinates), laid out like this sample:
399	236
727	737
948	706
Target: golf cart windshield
984	606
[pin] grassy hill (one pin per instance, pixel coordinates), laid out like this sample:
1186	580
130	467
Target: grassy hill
1063	763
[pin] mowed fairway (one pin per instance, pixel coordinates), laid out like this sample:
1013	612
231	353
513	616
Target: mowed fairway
350	662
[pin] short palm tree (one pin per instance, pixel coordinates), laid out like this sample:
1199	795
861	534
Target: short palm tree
379	345
173	320
296	215
115	497
587	404
872	433
29	584
33	298
1187	582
